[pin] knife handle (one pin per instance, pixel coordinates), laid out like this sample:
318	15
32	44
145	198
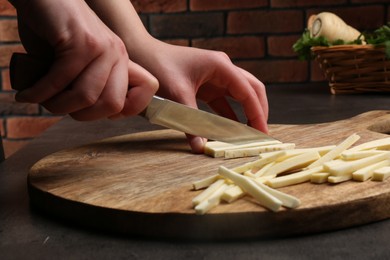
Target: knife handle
25	70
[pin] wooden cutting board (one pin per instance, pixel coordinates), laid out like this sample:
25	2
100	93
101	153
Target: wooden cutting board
140	184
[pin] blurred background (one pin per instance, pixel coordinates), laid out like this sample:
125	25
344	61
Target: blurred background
257	35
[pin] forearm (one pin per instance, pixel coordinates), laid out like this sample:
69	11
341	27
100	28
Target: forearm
123	19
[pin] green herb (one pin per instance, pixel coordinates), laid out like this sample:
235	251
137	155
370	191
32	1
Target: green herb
304	44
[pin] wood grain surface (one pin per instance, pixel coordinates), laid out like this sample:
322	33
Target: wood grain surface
140	184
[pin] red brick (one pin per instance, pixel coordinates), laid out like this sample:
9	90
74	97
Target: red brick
9	31
301	3
6	8
234	47
187	25
12	146
357	16
281	46
28	127
207	5
277	71
5	80
6	52
265	21
8	106
2	132
160	6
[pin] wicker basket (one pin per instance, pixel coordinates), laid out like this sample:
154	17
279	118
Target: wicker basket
354	68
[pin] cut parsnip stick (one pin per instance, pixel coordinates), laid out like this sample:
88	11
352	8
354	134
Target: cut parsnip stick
217	149
292	163
294	178
287	200
212	201
204	183
354	155
264	159
263	170
348	167
250	187
255	151
207	192
336	151
319	177
380	144
381	174
232	193
294	152
338	179
366	173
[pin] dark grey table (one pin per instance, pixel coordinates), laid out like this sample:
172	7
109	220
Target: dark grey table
28	234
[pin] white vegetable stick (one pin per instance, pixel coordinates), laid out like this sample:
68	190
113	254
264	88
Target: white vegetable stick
217	149
232	193
294	178
348	167
207	192
365	173
336	151
287	200
381	174
294	152
254	151
264	159
354	155
263	170
292	163
383	143
204	183
211	202
338	179
250	187
319	177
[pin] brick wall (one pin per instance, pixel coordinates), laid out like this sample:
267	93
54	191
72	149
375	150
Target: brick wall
256	34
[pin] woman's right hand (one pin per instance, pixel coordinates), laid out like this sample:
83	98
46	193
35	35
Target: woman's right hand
91	76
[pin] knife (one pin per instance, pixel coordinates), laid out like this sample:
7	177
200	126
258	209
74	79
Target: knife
25	70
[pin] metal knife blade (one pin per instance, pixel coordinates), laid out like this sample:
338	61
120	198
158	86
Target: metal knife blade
176	116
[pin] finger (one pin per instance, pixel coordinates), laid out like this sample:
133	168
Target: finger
60	75
196	143
141	87
112	99
85	91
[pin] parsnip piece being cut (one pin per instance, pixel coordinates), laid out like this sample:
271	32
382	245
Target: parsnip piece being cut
250	187
264	159
292	163
294	178
367	172
204	183
381	174
217	149
336	151
380	144
354	155
212	201
254	151
348	167
319	177
207	192
287	200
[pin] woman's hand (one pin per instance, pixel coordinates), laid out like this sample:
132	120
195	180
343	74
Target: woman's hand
91	76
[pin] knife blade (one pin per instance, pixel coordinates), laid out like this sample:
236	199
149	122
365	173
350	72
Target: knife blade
160	111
